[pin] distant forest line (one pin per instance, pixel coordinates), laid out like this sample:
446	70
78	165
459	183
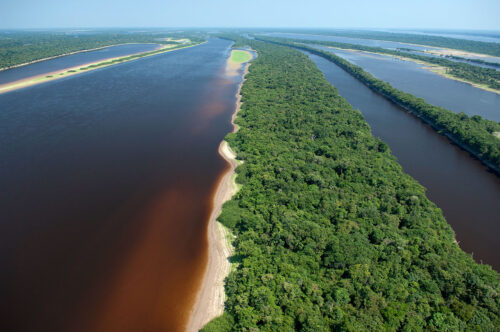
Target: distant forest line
475	74
23	47
420	39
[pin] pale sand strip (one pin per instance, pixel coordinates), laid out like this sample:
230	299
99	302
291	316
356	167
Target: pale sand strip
65	54
434	68
211	296
51	76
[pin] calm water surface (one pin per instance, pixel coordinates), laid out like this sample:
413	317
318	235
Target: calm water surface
107	180
411	77
373	43
43	67
461	186
358	41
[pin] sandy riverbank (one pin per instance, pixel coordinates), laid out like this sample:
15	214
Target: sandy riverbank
69	53
436	69
210	300
46	77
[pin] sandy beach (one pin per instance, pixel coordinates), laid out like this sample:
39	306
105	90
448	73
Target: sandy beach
210	300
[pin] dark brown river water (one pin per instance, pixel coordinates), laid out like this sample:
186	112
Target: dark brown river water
106	184
460	185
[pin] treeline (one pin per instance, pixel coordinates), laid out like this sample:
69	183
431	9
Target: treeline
472	133
436	41
23	47
454	57
475	74
478	61
331	234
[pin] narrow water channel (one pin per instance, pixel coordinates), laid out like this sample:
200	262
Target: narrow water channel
106	185
437	90
461	186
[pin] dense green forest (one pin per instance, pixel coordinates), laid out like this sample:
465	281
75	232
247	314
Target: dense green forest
331	234
437	41
22	47
472	73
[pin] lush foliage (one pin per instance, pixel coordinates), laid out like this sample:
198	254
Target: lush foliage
23	47
472	73
437	41
473	133
331	233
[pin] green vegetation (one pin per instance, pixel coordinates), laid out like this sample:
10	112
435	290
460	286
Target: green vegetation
475	74
472	133
23	47
240	56
332	235
478	61
436	41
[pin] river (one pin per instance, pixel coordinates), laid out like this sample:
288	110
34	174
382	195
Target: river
460	185
391	45
437	90
107	180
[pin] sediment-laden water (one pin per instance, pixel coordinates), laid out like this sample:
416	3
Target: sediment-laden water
106	184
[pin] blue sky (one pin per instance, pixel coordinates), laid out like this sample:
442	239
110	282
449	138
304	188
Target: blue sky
442	14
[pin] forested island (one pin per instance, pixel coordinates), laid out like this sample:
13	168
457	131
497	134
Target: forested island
479	75
331	234
420	39
21	47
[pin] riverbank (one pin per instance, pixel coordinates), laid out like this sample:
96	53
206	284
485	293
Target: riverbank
439	70
413	107
50	76
69	53
211	296
473	137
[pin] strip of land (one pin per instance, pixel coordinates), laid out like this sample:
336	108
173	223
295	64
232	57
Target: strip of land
473	134
38	79
483	78
68	53
210	300
440	70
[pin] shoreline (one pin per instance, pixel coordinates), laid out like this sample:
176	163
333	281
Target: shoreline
83	68
431	67
71	53
211	296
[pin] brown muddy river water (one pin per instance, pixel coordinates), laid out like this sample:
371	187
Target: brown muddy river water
106	183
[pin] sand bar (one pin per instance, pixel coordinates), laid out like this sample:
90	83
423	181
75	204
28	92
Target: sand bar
50	76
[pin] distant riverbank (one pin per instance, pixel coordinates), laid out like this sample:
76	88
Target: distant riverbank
68	53
50	76
440	70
